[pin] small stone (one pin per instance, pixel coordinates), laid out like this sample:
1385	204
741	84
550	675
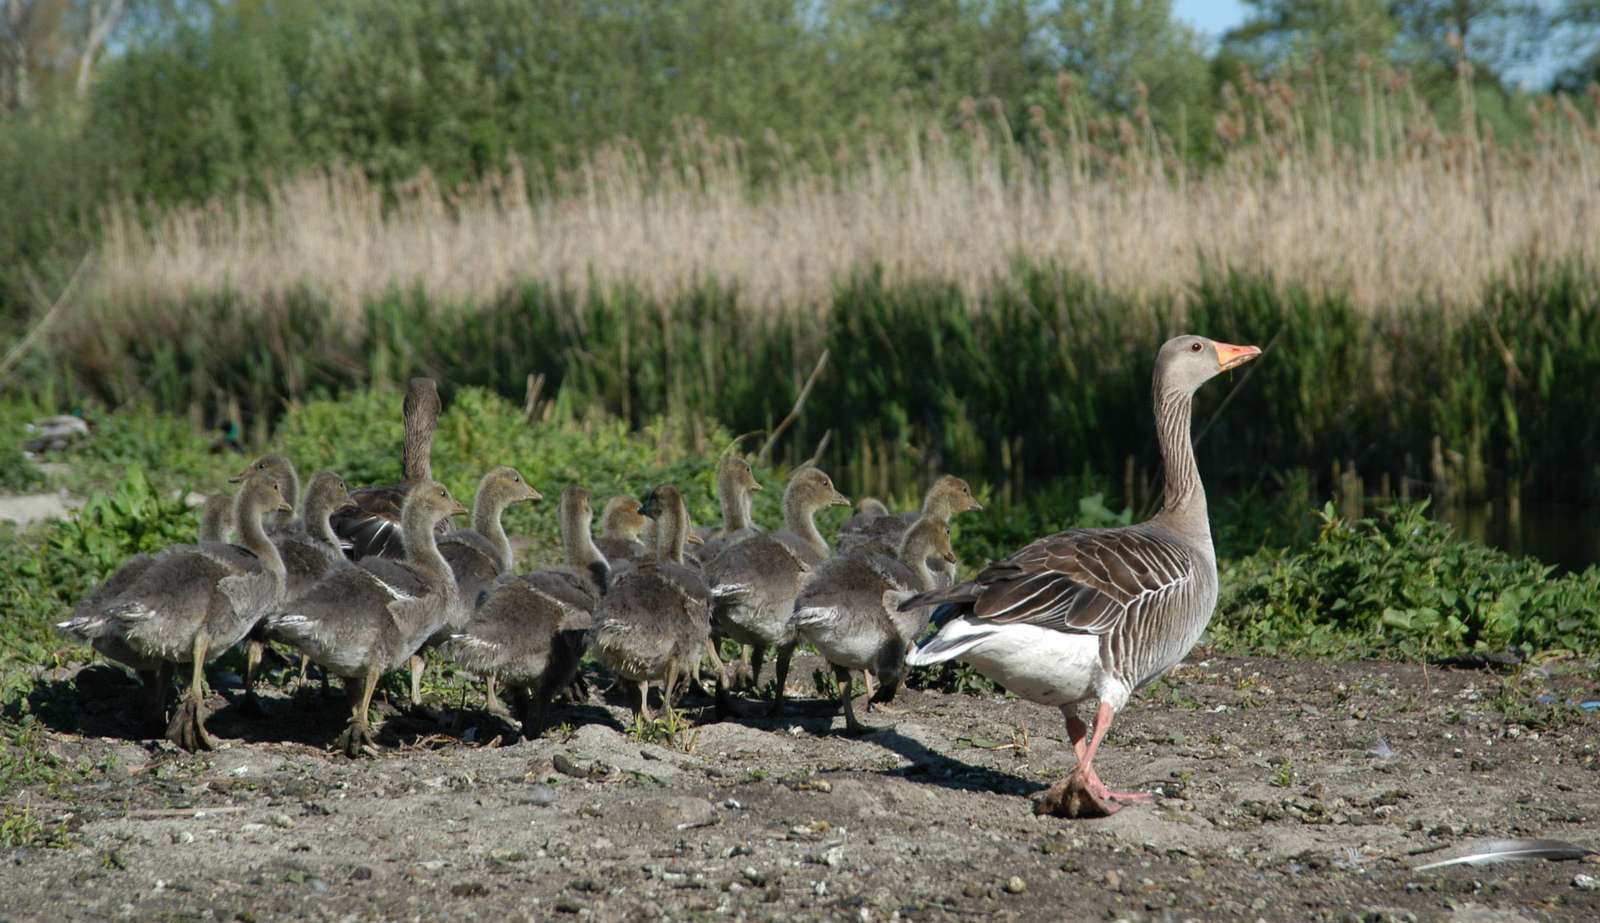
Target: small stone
361	873
567	766
1015	885
281	821
182	837
1586	882
468	889
754	876
541	795
506	854
1113	880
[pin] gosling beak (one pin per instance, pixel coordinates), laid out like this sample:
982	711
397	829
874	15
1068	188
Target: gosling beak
1231	357
533	494
694	538
284	507
975	506
348	504
239	477
756	486
950	557
456	509
839	499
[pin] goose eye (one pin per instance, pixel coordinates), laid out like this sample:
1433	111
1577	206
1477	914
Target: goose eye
1194	347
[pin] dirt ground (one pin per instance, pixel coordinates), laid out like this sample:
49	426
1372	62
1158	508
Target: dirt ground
1290	791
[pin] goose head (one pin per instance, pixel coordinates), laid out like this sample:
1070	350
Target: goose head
812	489
325	494
871	508
1186	362
504	486
927	538
623	519
734	476
428	503
275	466
949	496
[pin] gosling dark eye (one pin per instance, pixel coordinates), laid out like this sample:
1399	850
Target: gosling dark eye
1194	347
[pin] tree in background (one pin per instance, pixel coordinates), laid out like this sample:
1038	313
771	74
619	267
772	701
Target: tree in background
43	41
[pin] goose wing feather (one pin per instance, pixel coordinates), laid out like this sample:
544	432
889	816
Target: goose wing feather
1081	581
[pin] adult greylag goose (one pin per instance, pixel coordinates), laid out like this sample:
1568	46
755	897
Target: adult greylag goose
358	626
850	609
736	485
189	604
529	630
373	527
754	583
655	621
1098	613
620	528
477	556
309	550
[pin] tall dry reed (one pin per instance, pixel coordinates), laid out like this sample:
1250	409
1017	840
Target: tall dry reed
1384	208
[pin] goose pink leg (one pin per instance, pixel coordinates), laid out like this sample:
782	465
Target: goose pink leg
1081	793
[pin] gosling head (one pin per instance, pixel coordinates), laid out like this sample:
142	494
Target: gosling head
927	538
275	466
871	508
431	501
949	496
504	486
575	505
813	489
734	473
623	519
326	493
261	494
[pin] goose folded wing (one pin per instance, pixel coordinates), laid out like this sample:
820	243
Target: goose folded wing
1080	581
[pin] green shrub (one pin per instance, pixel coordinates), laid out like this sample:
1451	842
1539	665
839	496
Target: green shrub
1400	583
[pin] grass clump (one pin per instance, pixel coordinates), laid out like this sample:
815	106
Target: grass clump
1399	583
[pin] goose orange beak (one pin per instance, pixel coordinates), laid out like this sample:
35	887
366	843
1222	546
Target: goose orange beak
1230	356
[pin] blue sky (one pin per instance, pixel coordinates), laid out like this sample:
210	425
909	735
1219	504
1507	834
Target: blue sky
1214	17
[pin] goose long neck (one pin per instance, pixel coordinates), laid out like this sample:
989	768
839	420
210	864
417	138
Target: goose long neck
672	531
416	462
735	500
1184	506
422	549
486	522
800	518
914	551
248	512
317	524
576	541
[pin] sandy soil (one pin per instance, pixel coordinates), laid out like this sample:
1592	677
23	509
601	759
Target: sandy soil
1290	791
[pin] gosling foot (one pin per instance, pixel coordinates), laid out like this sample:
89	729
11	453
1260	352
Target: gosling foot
188	726
357	740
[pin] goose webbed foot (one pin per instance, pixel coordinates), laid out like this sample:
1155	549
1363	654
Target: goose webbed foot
578	690
188	726
357	740
1082	795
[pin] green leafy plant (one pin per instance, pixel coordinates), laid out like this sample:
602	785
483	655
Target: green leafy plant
1401	583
